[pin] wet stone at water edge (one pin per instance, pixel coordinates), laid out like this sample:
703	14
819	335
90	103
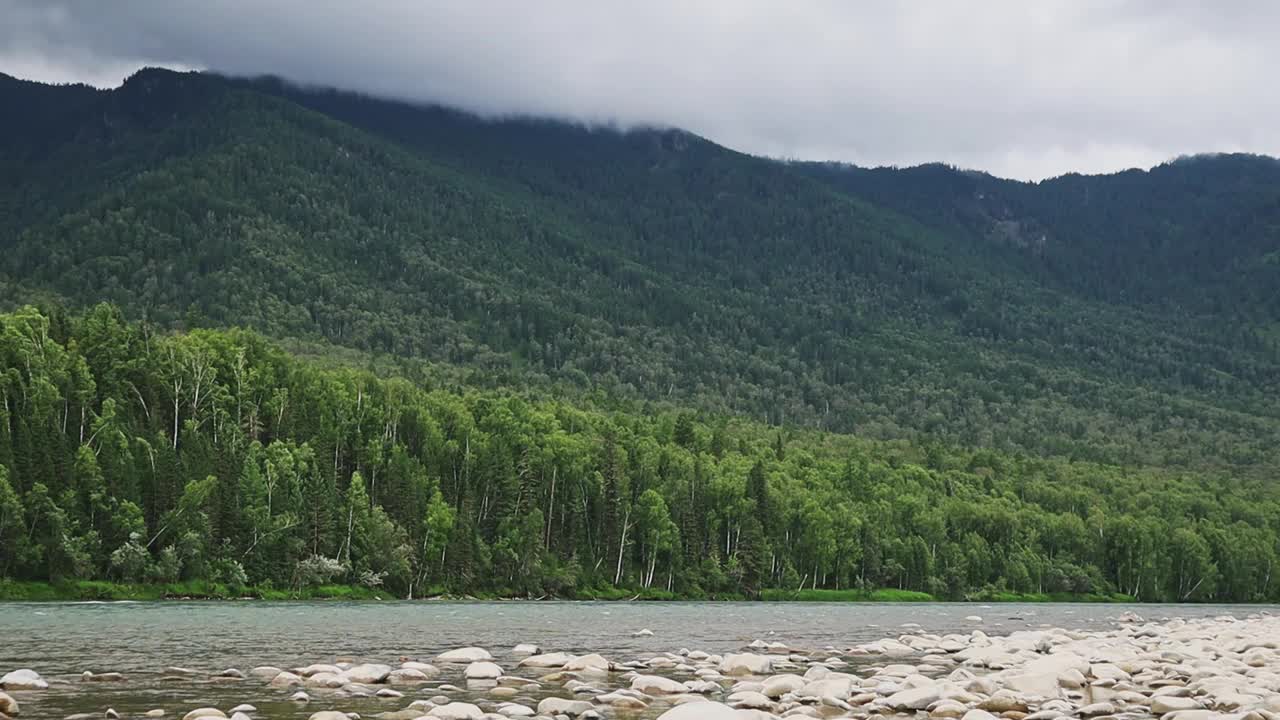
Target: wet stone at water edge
1202	668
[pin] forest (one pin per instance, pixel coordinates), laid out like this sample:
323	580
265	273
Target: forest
214	458
654	265
265	339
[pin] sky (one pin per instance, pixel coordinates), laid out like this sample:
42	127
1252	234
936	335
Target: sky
1019	88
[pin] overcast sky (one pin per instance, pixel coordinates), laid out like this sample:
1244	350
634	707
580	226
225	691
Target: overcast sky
1021	88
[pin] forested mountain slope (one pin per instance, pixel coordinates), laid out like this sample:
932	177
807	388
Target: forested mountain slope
212	457
653	265
1197	235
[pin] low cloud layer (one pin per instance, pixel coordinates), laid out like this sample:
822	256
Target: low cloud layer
1021	89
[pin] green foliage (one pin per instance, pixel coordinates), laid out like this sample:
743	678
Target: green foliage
1126	319
1062	390
286	479
878	595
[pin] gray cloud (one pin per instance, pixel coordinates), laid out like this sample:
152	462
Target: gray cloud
1022	89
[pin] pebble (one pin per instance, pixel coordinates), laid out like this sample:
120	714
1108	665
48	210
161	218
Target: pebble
1198	669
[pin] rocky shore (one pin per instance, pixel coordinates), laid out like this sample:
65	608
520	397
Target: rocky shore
1211	669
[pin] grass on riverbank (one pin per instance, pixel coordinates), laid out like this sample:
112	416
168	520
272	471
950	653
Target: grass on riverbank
14	590
882	595
1011	597
194	590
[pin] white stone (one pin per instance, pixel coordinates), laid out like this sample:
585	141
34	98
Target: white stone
464	655
456	711
483	671
656	684
779	685
560	706
325	680
407	676
316	668
368	673
23	680
1169	703
586	662
746	664
546	660
749	699
917	698
701	711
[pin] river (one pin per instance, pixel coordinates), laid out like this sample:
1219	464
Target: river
61	640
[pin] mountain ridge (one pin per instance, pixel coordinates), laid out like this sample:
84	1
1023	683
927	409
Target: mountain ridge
532	359
642	263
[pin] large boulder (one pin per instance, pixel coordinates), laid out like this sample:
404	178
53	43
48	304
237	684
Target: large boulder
407	676
546	660
464	655
560	706
456	711
204	712
1039	684
916	698
23	680
746	664
368	673
1168	703
703	711
839	686
325	680
779	685
285	679
483	671
314	668
749	699
656	685
626	701
592	661
8	706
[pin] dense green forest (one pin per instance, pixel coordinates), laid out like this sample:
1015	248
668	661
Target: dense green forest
134	455
522	356
649	264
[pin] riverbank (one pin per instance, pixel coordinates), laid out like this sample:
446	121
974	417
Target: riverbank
894	595
80	590
15	591
1202	667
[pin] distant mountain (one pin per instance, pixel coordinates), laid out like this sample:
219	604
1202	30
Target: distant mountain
1129	318
1199	233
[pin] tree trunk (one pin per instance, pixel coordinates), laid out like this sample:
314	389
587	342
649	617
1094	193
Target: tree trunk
622	546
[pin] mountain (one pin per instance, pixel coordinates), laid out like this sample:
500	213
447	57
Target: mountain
526	357
1124	319
1198	234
